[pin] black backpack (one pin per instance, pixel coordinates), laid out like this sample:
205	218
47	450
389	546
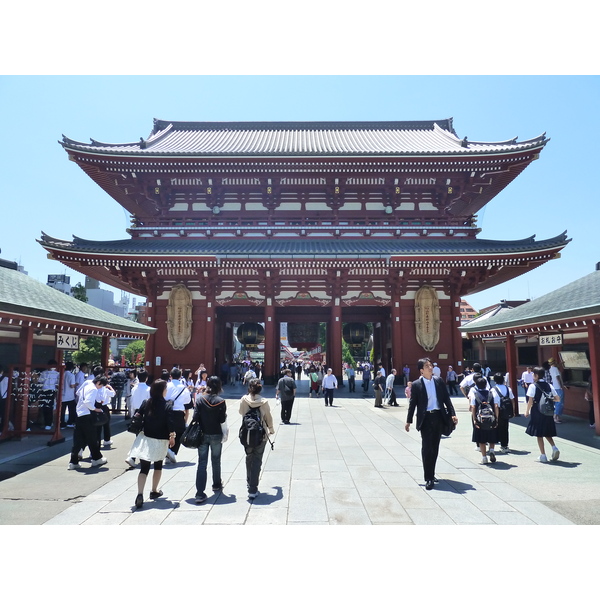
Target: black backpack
507	410
546	401
251	430
485	415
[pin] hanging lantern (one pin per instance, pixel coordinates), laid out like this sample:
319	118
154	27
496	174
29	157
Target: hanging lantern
303	336
355	334
250	334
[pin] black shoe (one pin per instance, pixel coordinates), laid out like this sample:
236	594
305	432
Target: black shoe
429	485
139	501
155	495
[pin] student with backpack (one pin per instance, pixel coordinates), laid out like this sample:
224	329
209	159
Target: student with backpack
257	424
540	406
485	409
505	398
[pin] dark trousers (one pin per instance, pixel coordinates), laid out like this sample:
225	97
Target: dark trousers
46	403
431	433
365	384
179	424
503	431
351	384
85	435
453	388
328	394
254	458
71	405
286	410
391	396
104	430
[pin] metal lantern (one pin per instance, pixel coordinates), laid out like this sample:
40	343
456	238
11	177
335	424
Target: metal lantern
303	336
250	335
355	334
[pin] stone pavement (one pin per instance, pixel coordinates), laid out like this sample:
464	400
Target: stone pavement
346	464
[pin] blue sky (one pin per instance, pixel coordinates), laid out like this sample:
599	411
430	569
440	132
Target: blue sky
41	190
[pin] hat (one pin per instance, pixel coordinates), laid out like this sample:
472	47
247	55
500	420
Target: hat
550	360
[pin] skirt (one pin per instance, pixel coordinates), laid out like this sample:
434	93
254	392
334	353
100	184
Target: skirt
149	449
540	425
485	436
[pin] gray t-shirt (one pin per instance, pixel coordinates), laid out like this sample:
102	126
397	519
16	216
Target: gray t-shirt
286	386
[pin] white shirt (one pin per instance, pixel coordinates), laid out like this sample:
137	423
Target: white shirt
437	372
555	374
179	399
473	397
330	382
87	399
382	371
468	381
389	382
498	391
49	379
527	377
140	393
432	401
68	391
531	390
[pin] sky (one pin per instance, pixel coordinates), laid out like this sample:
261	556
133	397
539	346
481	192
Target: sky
41	190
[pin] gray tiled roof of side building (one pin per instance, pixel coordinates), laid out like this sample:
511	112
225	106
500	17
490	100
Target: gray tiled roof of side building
579	298
25	296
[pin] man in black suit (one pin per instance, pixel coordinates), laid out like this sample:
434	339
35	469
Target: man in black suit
429	395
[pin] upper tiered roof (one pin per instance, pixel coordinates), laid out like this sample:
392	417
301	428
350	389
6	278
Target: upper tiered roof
295	138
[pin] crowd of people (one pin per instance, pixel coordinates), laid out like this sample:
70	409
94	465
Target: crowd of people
164	406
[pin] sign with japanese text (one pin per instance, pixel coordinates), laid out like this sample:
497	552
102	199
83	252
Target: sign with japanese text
555	339
67	341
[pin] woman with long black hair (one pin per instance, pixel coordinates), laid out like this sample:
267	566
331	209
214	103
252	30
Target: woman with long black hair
151	444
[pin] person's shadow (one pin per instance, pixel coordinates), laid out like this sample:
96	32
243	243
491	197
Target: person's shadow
266	499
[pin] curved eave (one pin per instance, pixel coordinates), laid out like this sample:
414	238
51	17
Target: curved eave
201	248
535	325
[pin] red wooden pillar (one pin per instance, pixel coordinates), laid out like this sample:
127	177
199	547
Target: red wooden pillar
25	356
334	349
208	352
397	362
272	343
594	342
456	359
511	365
150	349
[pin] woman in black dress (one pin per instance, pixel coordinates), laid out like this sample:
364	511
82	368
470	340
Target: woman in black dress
541	426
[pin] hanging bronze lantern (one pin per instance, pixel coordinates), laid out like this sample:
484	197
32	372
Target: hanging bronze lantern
303	336
355	334
250	335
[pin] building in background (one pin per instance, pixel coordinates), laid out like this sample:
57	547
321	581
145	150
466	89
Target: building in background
305	222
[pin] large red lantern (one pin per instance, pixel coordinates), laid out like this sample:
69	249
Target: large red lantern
355	334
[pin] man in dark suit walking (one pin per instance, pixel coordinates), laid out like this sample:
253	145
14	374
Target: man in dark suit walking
429	396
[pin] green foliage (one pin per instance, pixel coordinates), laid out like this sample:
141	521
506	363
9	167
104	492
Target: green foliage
347	354
78	292
131	351
90	351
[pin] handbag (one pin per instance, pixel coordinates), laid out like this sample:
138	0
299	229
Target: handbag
99	418
193	436
448	425
136	425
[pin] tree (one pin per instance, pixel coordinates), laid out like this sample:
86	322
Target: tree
78	292
131	351
90	351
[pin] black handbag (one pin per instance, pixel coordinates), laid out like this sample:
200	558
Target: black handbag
136	425
99	418
448	425
193	436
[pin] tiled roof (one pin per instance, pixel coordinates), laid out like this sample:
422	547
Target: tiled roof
26	297
302	247
304	139
581	298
